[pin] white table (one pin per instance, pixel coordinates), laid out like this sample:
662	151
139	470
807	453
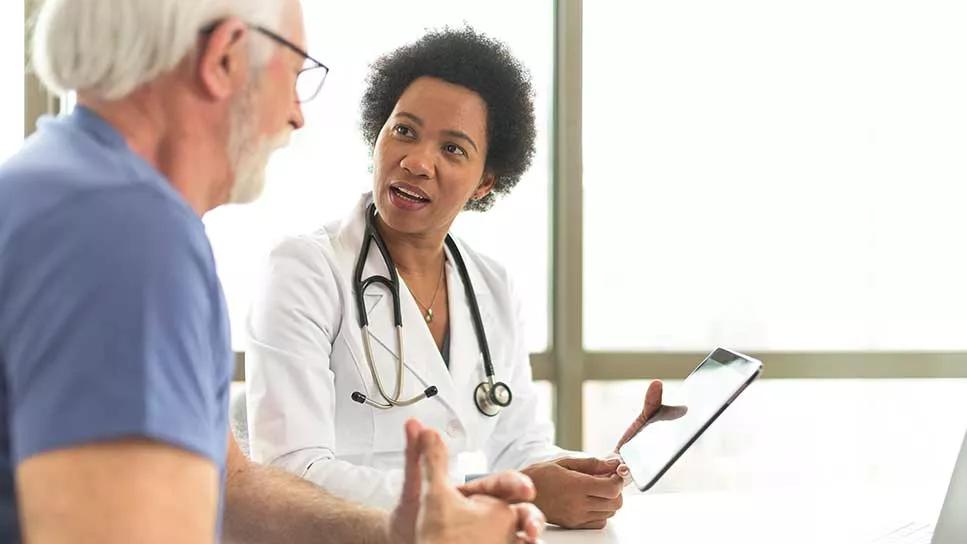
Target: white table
782	516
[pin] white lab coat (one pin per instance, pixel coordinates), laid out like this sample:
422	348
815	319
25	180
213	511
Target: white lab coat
306	358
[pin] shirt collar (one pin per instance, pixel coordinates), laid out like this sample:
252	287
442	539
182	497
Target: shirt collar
90	122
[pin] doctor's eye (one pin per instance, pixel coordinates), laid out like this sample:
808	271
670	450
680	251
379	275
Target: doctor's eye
404	131
455	149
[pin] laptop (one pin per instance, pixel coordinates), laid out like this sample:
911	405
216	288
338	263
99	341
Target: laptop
951	527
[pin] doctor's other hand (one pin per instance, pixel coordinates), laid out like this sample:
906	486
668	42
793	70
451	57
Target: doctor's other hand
434	511
651	406
652	410
577	493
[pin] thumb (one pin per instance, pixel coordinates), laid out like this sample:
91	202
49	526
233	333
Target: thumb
435	459
590	465
652	399
651	406
411	470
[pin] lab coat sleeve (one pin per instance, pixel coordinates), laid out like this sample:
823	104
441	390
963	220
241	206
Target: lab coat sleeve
522	436
294	321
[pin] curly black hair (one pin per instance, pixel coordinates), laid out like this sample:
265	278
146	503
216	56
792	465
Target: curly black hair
477	62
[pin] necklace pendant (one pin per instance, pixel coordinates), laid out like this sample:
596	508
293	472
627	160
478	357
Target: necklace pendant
429	315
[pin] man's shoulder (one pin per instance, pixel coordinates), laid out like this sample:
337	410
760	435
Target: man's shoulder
59	159
108	216
63	200
62	177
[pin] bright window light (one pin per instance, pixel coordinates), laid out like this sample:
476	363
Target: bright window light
775	175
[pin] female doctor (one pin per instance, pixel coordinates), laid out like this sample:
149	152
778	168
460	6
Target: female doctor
332	377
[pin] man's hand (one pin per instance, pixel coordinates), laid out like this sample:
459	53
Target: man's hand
577	493
432	510
509	486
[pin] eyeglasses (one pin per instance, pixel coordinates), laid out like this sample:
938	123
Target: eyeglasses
309	79
313	74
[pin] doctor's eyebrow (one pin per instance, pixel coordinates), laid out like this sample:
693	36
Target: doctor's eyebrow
462	136
411	117
451	133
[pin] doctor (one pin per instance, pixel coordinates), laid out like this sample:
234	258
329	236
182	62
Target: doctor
331	374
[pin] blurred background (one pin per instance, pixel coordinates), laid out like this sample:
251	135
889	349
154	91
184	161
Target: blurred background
786	179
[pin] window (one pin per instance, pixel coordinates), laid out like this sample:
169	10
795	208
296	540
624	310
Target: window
321	175
12	62
775	176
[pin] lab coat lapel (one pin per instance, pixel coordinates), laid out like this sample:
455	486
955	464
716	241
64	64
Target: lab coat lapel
424	358
421	357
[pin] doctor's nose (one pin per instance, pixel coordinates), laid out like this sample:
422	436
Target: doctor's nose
419	163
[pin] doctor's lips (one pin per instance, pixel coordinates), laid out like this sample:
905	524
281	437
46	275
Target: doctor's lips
409	193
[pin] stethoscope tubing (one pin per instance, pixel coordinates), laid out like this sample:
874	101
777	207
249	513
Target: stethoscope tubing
392	284
474	308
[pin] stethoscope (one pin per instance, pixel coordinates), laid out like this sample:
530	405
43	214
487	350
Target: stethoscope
490	396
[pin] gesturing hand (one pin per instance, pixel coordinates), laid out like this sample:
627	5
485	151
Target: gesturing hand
432	510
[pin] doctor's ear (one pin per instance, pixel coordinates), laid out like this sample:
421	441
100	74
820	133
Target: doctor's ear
485	187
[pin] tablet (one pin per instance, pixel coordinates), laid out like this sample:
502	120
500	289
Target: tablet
707	392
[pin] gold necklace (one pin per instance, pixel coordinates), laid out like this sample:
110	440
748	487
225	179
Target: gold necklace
428	313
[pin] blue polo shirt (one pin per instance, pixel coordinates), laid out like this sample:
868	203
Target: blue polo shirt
112	319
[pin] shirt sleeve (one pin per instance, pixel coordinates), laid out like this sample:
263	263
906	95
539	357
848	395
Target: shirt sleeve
115	303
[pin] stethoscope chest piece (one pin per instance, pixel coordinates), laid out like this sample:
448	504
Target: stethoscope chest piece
491	398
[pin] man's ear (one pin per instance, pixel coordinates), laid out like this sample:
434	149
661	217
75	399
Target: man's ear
223	59
487	183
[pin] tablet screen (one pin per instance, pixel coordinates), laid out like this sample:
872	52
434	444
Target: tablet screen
704	394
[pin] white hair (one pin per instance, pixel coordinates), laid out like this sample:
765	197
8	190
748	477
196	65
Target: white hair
109	48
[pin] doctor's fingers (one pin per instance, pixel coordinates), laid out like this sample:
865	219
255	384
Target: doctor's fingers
590	465
652	399
651	406
598	523
530	522
594	520
606	487
603	506
510	486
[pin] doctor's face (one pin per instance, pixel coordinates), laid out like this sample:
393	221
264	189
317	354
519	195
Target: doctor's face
430	155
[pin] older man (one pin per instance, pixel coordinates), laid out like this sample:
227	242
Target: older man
114	342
